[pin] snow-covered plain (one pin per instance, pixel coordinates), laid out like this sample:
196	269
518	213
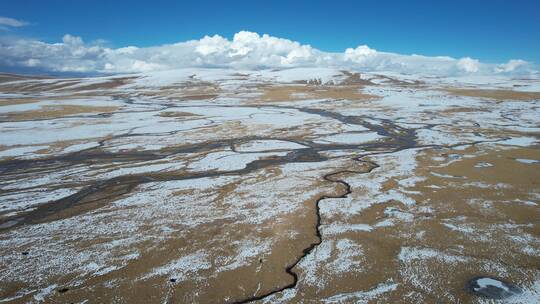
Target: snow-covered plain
170	185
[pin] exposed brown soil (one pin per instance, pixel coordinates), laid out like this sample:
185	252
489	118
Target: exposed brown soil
15	101
302	92
47	112
500	95
106	85
6	77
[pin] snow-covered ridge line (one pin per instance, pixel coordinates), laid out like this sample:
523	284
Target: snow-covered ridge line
229	78
246	50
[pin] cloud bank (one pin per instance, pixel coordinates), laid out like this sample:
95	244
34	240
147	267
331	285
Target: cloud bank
247	50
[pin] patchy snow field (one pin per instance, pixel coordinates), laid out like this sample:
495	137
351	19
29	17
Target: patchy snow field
277	186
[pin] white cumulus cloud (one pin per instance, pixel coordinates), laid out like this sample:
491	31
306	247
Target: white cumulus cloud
468	64
246	50
513	65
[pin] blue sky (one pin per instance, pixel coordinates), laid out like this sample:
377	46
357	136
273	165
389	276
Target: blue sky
492	31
